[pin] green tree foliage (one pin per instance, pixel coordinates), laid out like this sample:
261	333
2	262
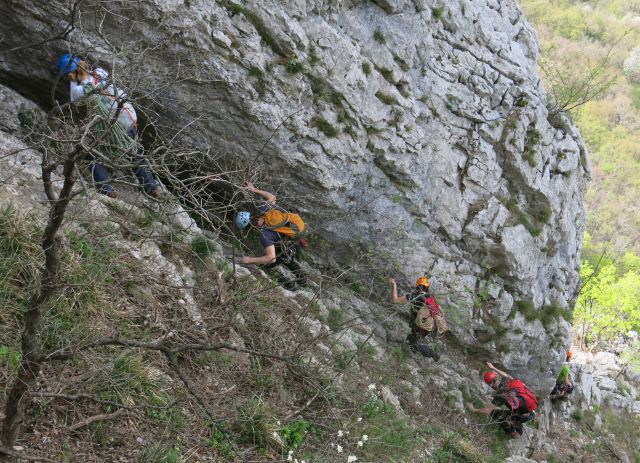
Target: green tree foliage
631	357
575	38
609	304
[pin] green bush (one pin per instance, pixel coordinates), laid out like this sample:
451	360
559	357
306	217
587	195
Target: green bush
378	36
294	433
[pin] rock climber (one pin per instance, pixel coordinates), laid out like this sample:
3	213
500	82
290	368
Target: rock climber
513	404
424	313
563	388
276	228
119	122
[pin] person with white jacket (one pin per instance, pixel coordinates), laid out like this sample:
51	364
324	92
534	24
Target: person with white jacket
119	118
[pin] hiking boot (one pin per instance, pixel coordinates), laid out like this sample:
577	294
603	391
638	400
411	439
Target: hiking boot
289	285
110	193
427	351
155	192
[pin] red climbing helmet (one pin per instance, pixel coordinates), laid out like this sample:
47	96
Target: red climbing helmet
489	376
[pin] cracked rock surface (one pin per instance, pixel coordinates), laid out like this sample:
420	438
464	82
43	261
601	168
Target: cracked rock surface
419	140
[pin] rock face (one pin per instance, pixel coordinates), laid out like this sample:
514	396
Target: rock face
413	134
601	381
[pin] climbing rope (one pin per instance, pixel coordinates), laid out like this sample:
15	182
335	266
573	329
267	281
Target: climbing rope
114	139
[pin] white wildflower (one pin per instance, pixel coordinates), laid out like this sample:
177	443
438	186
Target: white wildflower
339	448
365	438
290	457
352	458
372	387
359	419
360	443
275	434
340	433
278	422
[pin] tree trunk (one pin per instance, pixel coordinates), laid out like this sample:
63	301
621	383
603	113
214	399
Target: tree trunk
31	359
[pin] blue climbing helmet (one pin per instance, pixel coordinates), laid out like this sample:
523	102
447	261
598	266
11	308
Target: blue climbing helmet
67	63
242	219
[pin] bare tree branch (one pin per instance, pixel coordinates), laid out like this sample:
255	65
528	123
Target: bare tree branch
92	419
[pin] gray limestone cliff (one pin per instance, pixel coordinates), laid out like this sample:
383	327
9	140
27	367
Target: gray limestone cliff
413	133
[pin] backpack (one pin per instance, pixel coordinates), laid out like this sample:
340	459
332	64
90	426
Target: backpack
426	302
528	400
285	223
427	308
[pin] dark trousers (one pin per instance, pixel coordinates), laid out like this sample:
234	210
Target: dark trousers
287	257
140	169
291	264
509	422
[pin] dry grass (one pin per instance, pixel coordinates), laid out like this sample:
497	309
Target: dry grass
108	293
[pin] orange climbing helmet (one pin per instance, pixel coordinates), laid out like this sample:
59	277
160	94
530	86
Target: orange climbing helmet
489	376
569	355
422	281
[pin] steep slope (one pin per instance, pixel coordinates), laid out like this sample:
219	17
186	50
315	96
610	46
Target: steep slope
263	362
413	136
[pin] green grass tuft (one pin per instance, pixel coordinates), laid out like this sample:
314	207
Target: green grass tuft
335	319
294	66
203	246
386	98
388	75
160	453
255	72
326	127
258	24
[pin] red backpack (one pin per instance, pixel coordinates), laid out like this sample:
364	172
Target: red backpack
528	400
428	301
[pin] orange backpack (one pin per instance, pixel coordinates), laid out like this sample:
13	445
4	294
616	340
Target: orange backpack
286	223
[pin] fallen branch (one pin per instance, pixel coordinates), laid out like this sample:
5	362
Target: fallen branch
303	408
94	418
22	456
